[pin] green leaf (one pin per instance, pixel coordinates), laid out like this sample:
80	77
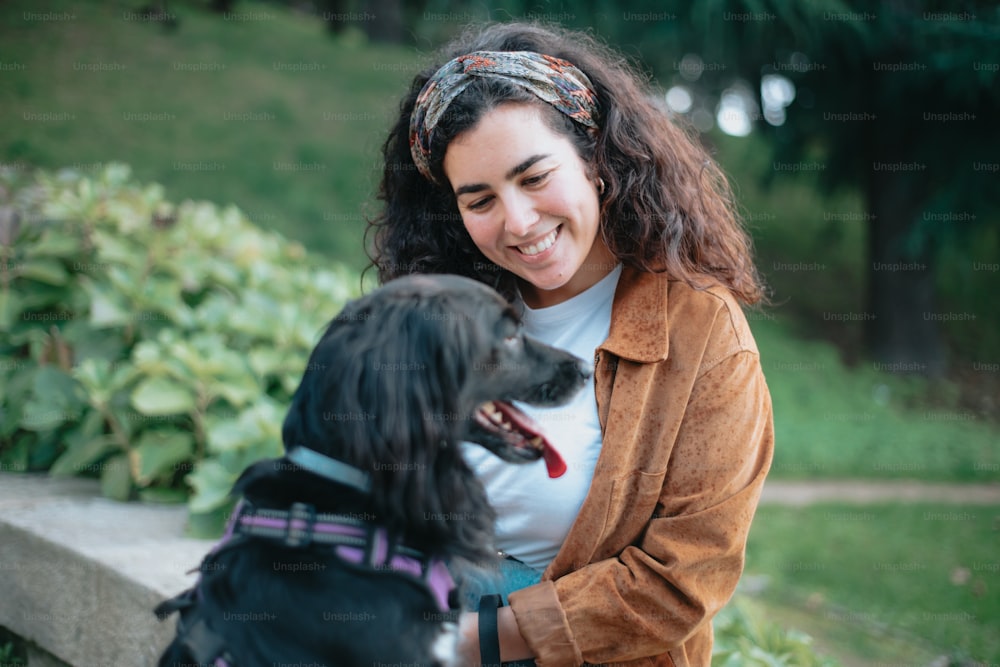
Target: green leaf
38	300
16	392
94	375
231	435
16	458
113	249
256	316
88	341
56	243
9	309
212	483
48	271
116	482
107	308
101	378
239	391
268	360
79	456
116	173
255	429
159	452
40	415
162	396
59	389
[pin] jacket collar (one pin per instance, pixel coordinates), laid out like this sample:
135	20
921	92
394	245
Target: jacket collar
639	328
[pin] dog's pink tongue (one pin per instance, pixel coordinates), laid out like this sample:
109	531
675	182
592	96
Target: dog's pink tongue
553	460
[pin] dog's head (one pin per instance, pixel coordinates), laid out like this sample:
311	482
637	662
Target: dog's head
405	373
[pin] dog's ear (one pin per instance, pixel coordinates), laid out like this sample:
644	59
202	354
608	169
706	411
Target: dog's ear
379	388
428	355
427	358
381	392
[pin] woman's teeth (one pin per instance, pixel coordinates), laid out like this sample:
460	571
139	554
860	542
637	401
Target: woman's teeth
544	244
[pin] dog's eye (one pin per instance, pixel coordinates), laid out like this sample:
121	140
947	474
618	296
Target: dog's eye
510	329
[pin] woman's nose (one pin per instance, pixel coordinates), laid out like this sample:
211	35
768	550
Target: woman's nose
519	214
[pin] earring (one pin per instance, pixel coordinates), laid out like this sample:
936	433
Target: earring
600	186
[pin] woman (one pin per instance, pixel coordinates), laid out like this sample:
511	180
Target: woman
531	159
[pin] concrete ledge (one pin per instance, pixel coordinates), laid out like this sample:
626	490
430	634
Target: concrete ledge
80	574
800	493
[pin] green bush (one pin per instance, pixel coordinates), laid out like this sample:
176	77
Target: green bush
742	641
151	344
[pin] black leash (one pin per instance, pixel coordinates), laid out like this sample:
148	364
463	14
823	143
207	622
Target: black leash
489	631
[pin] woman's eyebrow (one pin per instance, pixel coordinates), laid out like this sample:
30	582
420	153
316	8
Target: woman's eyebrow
517	170
524	166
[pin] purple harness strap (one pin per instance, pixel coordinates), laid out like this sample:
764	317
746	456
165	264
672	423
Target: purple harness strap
352	540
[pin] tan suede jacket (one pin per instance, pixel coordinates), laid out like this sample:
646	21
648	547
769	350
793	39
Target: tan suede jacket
658	545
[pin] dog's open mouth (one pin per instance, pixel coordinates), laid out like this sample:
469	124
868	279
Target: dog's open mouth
521	432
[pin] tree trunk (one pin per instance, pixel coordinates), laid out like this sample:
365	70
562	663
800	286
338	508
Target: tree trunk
901	321
334	14
383	20
222	6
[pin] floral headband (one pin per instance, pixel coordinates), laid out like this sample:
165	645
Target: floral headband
552	80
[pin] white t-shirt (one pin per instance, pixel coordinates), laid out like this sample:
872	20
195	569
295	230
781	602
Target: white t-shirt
535	512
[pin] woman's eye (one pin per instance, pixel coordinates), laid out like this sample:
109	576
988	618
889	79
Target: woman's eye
479	204
536	180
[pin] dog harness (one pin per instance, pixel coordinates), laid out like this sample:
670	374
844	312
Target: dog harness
351	539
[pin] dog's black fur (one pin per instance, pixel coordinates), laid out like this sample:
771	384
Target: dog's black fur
391	388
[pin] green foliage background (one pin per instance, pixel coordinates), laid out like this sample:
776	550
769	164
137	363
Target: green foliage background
149	343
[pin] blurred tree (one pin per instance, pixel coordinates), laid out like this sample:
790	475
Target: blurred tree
383	20
898	99
222	6
380	20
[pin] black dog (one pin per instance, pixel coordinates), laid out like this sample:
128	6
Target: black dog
340	552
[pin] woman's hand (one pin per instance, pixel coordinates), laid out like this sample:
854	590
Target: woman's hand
467	651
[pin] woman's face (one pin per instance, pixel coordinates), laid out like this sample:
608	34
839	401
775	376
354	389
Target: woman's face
526	201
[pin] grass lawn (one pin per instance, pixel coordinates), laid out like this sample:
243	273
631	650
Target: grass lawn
893	583
264	111
832	421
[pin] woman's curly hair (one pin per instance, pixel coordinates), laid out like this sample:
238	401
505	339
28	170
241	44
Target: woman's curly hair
666	205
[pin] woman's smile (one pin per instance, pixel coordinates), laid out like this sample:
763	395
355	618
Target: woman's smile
536	249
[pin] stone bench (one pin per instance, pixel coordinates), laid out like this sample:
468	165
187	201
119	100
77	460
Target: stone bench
80	574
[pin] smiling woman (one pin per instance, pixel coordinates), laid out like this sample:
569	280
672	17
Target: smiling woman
531	159
538	218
